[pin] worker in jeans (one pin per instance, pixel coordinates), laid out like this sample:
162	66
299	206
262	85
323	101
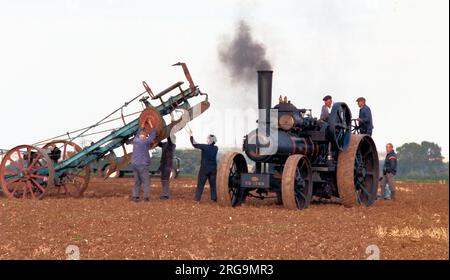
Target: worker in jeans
141	161
389	171
208	166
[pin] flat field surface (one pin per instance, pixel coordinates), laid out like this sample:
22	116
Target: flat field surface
105	224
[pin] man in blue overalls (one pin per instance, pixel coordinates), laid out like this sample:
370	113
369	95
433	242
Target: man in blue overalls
140	161
208	166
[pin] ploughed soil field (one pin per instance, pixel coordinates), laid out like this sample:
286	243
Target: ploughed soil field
105	224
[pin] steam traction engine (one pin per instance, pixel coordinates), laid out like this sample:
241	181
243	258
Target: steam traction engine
298	156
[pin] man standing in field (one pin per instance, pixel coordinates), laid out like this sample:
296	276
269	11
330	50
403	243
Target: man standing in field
141	161
208	166
389	170
166	164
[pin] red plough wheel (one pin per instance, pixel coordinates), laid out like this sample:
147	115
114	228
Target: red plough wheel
73	182
26	172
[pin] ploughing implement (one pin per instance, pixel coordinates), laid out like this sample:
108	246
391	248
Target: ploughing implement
60	166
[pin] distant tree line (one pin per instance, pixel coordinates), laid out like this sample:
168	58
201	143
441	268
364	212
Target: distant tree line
422	161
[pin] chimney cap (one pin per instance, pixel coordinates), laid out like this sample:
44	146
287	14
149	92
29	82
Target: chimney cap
264	71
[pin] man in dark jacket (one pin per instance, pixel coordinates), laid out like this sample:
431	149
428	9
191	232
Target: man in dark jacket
141	162
326	108
389	170
166	164
54	154
208	166
365	117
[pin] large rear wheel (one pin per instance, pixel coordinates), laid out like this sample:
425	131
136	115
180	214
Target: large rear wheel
357	172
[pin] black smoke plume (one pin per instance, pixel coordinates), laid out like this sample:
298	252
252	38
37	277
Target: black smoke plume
243	55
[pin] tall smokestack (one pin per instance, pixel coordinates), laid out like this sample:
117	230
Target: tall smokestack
264	98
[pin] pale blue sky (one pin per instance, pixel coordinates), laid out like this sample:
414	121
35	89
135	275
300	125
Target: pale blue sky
65	64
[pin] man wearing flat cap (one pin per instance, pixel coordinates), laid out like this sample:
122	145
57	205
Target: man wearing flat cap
365	117
326	108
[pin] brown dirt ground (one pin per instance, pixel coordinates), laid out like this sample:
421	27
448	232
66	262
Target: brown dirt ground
106	225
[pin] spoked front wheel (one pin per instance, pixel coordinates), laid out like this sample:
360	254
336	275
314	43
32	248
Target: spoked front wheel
229	191
26	172
296	184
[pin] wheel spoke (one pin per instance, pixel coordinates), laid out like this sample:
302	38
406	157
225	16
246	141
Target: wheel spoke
38	185
13	172
357	160
22	161
300	185
301	166
14	191
301	193
13	162
64	151
233	170
363	188
358	198
24	191
41	167
11	182
367	154
297	199
38	176
30	187
29	156
35	160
